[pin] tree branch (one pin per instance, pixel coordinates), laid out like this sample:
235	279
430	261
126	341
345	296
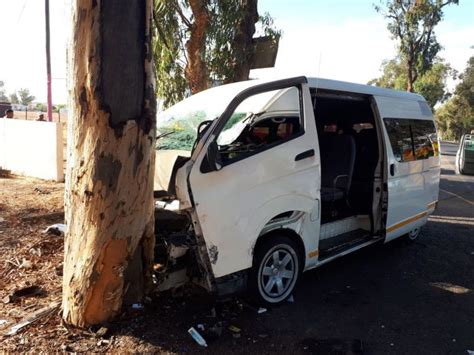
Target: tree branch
183	18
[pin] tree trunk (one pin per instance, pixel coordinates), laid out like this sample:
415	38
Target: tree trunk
196	69
109	182
243	41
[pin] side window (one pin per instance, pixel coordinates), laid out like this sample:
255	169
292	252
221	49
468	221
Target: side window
400	139
259	123
412	139
424	139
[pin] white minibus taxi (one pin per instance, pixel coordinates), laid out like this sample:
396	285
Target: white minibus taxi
259	181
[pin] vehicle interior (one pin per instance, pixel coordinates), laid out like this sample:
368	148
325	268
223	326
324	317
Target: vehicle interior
265	133
349	150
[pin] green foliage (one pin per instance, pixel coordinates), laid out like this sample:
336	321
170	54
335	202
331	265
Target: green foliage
181	132
41	107
222	52
465	88
169	51
412	23
431	84
25	97
14	98
173	22
456	116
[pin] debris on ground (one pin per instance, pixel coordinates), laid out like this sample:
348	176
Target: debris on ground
33	317
261	310
3	321
197	337
101	332
26	264
42	191
56	229
234	329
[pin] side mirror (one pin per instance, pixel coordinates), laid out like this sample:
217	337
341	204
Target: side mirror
213	158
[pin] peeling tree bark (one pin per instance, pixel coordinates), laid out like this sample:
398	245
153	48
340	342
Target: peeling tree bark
196	70
109	181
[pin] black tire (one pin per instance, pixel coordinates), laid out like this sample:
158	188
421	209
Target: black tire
276	267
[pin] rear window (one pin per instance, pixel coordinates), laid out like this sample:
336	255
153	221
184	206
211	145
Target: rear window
412	139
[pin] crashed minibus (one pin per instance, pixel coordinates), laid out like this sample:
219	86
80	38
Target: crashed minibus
258	181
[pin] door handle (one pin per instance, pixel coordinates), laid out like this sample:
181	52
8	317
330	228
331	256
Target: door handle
392	169
304	155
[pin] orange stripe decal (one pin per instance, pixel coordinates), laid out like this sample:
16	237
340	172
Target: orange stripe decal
407	221
313	253
432	204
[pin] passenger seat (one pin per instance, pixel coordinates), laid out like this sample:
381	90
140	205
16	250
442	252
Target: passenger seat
337	166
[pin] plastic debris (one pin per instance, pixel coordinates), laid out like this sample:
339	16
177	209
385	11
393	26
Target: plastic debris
261	310
56	229
200	326
234	329
291	299
197	337
3	321
137	306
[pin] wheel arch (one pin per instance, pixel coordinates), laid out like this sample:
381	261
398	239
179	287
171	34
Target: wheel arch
287	232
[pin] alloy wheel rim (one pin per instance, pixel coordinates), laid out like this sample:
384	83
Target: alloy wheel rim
277	274
414	233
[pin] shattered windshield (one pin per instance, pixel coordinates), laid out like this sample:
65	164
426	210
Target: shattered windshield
177	126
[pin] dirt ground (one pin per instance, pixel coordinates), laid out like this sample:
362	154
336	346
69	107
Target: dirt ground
31	276
397	298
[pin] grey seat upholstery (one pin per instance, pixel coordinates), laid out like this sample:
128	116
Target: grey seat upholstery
337	165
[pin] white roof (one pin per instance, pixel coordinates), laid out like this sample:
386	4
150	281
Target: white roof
336	85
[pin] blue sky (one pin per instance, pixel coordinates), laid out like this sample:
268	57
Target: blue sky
337	39
348	40
339	11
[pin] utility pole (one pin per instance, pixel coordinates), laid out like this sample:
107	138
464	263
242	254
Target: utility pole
48	63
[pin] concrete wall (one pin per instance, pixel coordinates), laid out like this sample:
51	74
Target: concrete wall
32	148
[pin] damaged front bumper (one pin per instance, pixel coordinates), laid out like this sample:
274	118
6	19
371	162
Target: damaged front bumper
180	253
182	256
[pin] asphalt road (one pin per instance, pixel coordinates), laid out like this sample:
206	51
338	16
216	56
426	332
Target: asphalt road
398	298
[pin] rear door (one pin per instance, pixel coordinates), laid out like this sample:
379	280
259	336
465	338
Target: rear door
269	173
411	165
